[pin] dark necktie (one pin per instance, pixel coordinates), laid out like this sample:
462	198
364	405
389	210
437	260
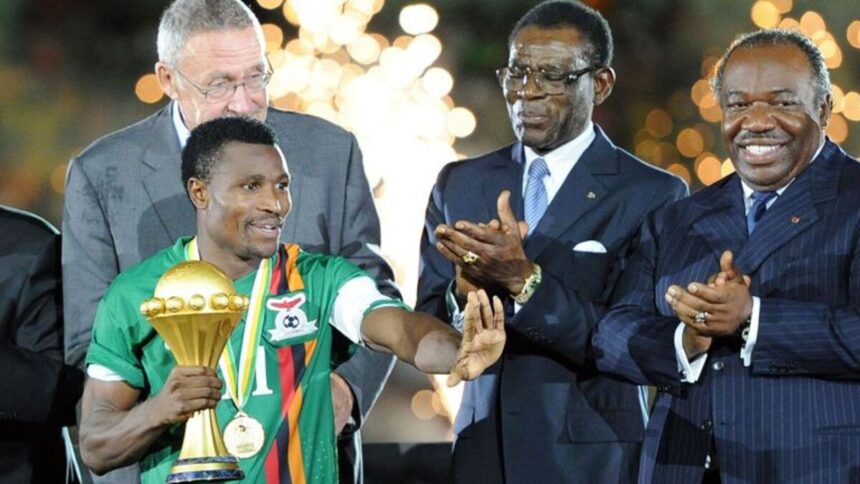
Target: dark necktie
536	198
759	207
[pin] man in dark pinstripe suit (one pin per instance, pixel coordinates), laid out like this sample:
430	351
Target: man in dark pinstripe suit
742	302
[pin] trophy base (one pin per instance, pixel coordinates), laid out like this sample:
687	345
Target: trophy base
216	468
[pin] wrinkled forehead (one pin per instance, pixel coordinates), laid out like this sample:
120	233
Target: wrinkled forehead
535	45
223	49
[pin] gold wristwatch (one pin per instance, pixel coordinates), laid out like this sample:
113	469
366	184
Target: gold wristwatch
530	285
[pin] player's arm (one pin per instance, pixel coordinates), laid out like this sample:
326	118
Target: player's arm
116	431
433	346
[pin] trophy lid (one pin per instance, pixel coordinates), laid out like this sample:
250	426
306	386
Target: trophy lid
194	287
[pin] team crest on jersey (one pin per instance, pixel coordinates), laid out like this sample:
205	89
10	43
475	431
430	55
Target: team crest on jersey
290	321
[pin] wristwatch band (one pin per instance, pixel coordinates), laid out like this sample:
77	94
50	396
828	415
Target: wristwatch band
530	285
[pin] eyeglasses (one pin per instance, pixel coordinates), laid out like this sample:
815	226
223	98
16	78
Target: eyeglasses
548	81
222	90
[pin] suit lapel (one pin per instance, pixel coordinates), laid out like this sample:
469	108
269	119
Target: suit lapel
721	222
794	211
504	175
586	186
163	157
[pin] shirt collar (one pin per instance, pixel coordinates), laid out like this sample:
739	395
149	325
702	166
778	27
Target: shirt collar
567	153
182	131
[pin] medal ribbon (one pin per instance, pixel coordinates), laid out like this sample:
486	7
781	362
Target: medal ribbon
239	384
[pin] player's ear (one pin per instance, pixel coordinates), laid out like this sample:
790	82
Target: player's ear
198	192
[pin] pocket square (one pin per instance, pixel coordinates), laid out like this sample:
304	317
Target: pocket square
591	246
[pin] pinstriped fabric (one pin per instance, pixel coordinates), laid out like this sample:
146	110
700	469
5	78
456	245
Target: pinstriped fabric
794	415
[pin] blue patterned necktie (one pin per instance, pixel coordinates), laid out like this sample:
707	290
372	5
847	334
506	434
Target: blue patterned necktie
759	207
536	199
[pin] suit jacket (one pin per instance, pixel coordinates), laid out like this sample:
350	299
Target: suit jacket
542	413
37	392
125	201
794	414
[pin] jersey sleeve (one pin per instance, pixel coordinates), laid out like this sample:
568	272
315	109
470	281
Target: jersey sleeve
113	341
357	295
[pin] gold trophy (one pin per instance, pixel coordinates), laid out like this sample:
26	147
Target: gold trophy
194	309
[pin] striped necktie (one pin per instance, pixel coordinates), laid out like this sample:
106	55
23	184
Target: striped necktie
536	198
758	208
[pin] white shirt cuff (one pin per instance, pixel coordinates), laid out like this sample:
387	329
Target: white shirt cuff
353	300
690	371
752	336
103	373
454	313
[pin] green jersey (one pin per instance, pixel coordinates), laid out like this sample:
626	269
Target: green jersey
291	393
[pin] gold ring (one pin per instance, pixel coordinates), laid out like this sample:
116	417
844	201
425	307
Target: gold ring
470	258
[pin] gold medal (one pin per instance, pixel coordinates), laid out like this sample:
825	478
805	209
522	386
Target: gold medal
244	436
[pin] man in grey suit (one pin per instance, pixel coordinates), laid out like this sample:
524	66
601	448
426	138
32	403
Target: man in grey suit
125	199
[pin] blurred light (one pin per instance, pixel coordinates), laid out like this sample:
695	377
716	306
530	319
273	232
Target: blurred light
837	129
811	23
364	49
402	42
377	5
438	406
658	123
665	154
709	66
422	405
274	36
316	15
727	168
838	98
645	149
711	112
851	106
853	34
290	13
783	6
58	178
418	19
461	122
681	171
425	49
690	143
270	4
789	24
700	90
381	40
708	168
344	29
437	82
765	14
363	6
299	47
147	89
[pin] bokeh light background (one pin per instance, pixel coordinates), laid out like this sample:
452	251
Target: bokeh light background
414	81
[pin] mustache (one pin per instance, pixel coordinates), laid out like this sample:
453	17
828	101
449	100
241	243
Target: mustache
745	136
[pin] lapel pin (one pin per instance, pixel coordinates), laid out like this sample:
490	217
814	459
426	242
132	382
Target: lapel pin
795	219
591	195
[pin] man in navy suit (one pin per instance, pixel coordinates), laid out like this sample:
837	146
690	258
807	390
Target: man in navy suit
544	414
758	364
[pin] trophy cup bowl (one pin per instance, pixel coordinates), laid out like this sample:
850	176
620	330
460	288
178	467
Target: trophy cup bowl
195	309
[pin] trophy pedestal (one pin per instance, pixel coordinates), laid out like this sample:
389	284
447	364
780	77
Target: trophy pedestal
205	469
204	456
